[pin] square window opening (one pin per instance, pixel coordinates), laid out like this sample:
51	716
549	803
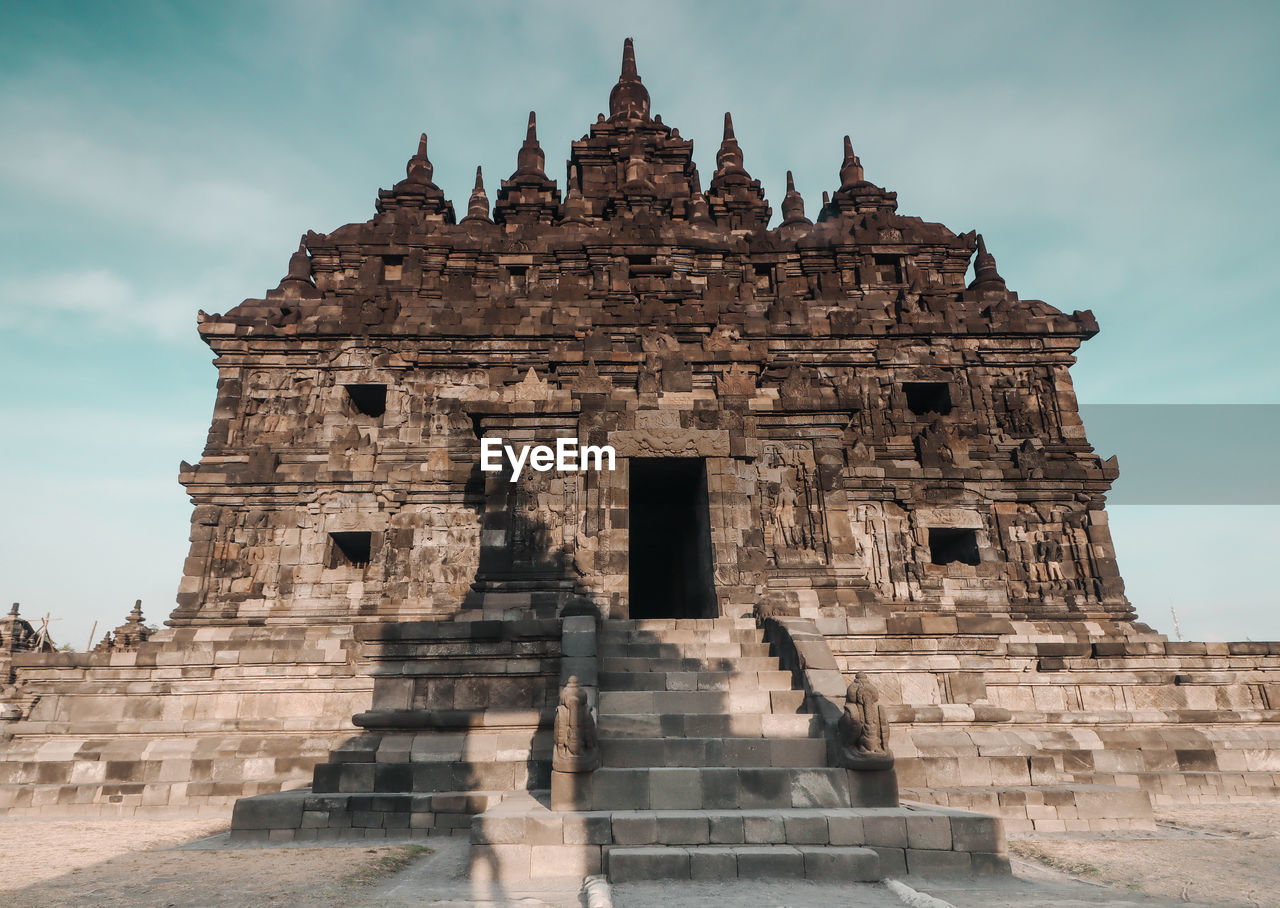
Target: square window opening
948	545
639	259
888	268
392	267
350	549
371	400
925	397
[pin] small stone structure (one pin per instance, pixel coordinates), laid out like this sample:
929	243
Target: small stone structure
854	542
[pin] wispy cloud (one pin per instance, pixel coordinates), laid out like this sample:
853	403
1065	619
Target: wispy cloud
103	300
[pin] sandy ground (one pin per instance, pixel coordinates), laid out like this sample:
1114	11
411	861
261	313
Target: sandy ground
1200	856
134	862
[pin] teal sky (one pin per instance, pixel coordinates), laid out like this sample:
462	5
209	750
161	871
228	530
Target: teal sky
156	159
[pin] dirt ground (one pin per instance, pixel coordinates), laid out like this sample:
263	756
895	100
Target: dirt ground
134	861
1202	856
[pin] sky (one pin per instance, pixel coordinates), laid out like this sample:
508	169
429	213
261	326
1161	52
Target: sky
160	158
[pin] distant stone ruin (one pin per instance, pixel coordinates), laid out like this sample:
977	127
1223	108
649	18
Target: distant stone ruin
854	544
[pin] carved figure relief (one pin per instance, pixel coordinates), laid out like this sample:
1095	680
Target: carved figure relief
792	506
1050	553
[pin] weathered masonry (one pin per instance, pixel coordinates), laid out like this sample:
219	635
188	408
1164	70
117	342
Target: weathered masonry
854	511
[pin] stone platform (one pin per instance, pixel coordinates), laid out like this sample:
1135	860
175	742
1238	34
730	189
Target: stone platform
712	765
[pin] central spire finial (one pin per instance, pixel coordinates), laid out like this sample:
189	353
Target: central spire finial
729	157
629	99
628	62
851	169
419	169
530	159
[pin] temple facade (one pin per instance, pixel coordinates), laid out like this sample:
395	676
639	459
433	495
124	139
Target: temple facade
821	413
831	532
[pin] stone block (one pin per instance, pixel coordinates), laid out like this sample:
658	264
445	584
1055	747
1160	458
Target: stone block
634	828
929	863
279	811
709	863
885	831
655	863
564	860
841	864
764	829
977	834
845	830
726	829
620	789
720	789
929	833
542	829
683	828
771	862
587	829
805	829
675	788
893	861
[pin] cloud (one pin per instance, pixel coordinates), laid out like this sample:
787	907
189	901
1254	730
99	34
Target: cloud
104	300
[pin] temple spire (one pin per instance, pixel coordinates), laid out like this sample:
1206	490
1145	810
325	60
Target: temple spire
629	62
575	206
529	195
851	169
416	191
300	264
530	160
478	205
729	157
297	284
793	205
419	169
736	201
629	99
985	274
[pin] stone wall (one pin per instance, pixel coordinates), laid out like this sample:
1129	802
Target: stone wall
1067	726
189	722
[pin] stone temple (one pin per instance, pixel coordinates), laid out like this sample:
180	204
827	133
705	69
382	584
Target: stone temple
853	548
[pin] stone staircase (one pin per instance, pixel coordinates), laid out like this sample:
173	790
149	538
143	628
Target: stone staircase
697	716
712	769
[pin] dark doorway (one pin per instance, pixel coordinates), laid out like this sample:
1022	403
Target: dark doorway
670	528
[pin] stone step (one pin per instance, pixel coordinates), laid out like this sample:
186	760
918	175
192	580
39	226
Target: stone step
675	624
624	663
300	815
430	776
713	751
613	702
1075	807
721	862
708	725
717	787
695	680
702	651
527	839
722	635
